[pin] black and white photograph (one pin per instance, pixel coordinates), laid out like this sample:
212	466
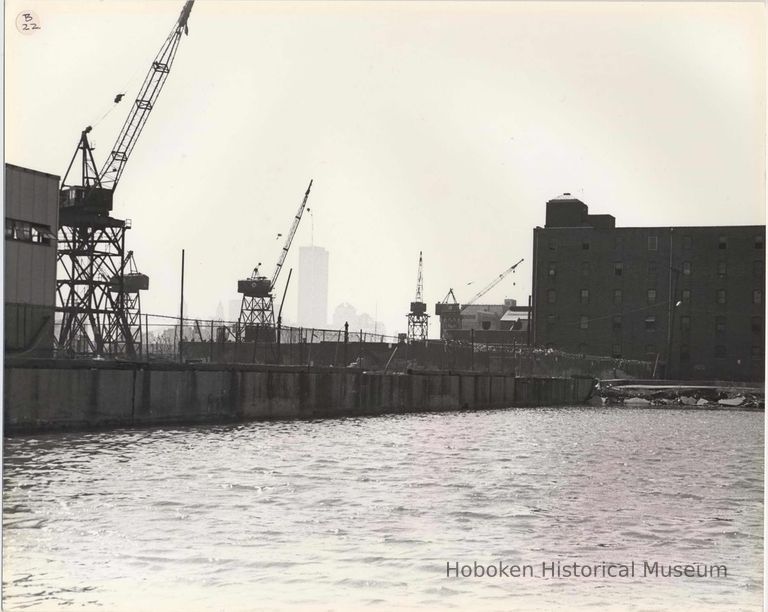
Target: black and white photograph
384	305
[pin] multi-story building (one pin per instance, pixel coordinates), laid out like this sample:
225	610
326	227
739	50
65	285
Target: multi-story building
31	223
689	298
313	286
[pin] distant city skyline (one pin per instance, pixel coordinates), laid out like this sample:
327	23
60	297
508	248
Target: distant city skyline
347	313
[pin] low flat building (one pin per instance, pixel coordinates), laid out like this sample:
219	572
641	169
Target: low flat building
691	299
505	323
31	224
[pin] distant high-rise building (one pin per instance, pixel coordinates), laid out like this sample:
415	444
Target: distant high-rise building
233	309
313	286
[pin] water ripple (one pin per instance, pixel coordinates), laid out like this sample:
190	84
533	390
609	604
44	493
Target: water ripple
360	512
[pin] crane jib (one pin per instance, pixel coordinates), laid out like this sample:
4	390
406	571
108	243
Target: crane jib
113	167
491	285
291	233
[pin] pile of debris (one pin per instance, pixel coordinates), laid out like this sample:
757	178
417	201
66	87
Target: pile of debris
636	394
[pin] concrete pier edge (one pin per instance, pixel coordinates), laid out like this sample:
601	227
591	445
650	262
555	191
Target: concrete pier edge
55	395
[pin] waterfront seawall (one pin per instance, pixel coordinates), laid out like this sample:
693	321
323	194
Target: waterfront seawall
48	395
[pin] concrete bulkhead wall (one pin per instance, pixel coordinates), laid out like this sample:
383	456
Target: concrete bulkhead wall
42	395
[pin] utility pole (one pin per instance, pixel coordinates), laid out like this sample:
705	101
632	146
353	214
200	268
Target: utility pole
181	311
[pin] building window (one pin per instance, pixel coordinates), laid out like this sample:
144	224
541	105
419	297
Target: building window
652	271
687	243
651	296
585	245
686	296
722	242
720	351
584	322
585	268
722	269
617	296
720	324
552	244
653	243
759	242
617	323
650	350
619	243
551	320
687	268
757	351
584	296
618	268
721	296
583	348
552	270
616	351
757	268
551	296
685	352
685	323
757	325
24	231
650	323
757	296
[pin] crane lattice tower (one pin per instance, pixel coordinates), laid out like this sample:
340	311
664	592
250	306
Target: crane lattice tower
97	305
418	319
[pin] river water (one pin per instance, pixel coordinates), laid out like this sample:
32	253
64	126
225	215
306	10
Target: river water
347	513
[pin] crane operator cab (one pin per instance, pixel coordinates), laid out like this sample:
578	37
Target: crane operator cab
91	200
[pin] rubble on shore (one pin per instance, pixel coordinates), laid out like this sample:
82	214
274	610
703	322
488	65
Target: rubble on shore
638	394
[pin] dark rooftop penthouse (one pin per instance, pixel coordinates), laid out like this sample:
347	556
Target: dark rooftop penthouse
568	211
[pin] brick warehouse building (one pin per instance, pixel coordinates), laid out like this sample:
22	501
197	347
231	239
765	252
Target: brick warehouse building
689	298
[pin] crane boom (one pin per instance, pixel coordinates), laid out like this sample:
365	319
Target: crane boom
289	239
419	282
153	83
491	285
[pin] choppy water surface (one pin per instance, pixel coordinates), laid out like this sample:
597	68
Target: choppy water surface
366	512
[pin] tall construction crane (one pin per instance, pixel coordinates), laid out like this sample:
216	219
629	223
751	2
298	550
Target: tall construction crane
450	311
257	312
418	319
91	286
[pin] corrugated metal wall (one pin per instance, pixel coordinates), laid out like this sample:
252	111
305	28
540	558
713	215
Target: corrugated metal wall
30	268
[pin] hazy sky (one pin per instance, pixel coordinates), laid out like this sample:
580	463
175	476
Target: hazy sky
440	127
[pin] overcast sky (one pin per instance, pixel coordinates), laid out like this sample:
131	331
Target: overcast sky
434	127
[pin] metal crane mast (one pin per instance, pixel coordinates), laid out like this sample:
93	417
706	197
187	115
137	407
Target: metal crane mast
491	285
94	300
418	319
257	313
449	312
